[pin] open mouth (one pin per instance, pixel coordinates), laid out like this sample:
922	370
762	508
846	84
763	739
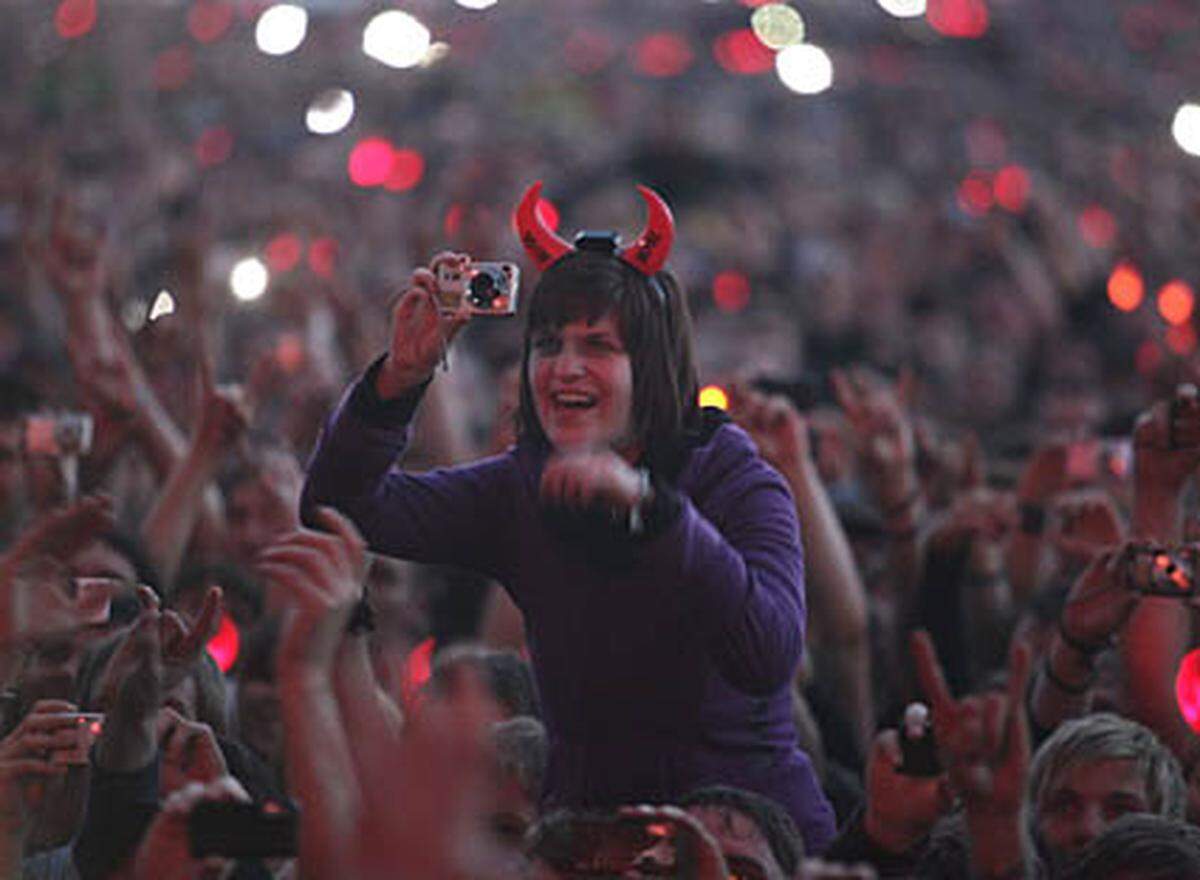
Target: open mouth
573	400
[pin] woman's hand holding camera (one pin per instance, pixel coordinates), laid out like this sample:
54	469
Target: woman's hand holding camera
421	332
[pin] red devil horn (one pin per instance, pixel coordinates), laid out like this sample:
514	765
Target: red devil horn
649	253
542	245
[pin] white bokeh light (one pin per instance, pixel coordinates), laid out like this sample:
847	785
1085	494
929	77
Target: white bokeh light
1186	128
249	279
903	8
805	68
476	4
777	25
164	304
330	111
396	39
281	29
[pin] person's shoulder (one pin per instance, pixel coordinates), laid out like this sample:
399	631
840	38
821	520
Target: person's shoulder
725	452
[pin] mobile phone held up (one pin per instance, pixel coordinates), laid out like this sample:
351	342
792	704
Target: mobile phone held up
57	435
598	845
242	831
487	288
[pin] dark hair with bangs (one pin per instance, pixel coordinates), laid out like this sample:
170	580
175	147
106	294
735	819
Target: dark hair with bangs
656	331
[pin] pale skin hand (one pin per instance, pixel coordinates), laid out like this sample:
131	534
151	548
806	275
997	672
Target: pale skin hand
190	753
901	809
25	762
164	853
579	480
421	331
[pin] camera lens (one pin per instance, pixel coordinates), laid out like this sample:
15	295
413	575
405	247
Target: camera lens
483	290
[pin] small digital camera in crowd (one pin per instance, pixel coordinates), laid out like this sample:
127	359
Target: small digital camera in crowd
488	288
243	831
57	435
1161	570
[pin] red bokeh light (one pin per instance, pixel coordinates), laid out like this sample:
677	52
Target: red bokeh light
743	53
662	55
975	194
370	162
1176	301
452	224
323	256
173	68
1011	188
75	18
888	65
1098	227
408	167
1182	339
214	146
283	252
963	19
752	4
1126	288
418	669
731	291
208	20
224	646
1187	689
588	51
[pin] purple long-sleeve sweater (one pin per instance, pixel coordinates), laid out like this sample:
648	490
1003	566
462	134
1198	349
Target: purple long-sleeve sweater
663	663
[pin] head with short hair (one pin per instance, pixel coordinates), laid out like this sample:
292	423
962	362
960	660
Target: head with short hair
1141	847
1067	805
655	327
506	676
719	808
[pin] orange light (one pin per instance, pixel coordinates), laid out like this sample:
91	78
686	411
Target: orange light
408	167
75	18
1182	339
1126	289
1011	187
1187	689
1176	302
1097	226
731	291
714	395
662	55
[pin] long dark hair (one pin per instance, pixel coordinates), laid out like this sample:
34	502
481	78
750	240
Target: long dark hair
656	330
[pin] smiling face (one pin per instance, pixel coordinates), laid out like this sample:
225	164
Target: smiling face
582	383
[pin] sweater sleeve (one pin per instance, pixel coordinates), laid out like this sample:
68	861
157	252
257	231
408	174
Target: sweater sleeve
446	516
738	554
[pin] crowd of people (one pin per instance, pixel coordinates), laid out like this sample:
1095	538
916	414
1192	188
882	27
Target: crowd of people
336	584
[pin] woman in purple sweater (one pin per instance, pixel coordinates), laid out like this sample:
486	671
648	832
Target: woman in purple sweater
655	556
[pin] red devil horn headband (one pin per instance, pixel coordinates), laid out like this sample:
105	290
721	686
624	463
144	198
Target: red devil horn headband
648	254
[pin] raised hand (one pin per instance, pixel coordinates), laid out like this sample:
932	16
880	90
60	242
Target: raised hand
877	412
1098	603
775	426
26	761
1088	524
165	851
421	330
901	809
1166	442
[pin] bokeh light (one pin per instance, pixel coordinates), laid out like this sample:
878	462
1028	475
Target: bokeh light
173	68
209	20
1186	128
714	395
805	69
1187	689
281	29
323	256
777	25
476	4
396	39
330	111
214	146
224	646
743	53
962	19
731	291
370	162
164	304
903	8
1098	227
75	18
249	278
283	252
1176	301
1182	340
1011	188
975	194
408	168
662	55
1126	288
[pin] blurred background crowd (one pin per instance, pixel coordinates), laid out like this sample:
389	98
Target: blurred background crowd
955	240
